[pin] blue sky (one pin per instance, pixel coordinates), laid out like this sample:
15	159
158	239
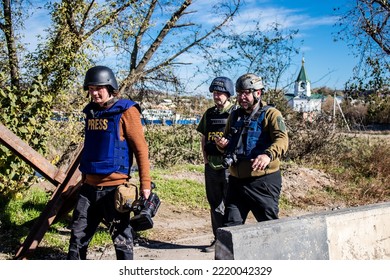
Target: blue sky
327	63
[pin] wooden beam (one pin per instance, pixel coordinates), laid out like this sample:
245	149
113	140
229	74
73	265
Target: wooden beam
30	156
63	198
61	202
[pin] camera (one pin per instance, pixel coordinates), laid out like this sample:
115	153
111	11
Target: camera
144	210
230	157
229	160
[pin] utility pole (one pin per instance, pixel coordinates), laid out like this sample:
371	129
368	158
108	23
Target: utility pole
341	111
334	110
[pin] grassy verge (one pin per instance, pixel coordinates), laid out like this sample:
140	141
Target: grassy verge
181	186
360	164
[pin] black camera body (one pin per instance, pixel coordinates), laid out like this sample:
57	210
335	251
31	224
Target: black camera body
144	210
230	156
229	159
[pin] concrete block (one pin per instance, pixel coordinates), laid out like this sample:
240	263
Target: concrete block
353	233
361	233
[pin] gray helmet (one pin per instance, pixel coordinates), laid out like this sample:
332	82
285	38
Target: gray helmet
249	81
222	84
100	76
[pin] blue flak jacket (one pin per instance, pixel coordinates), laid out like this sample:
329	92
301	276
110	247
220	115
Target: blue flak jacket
254	142
104	152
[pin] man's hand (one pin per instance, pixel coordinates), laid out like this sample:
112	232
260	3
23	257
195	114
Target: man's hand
221	142
145	193
260	162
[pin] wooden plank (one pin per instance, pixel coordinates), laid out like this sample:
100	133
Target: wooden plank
30	156
63	198
61	202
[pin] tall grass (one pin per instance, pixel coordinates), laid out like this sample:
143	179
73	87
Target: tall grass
361	166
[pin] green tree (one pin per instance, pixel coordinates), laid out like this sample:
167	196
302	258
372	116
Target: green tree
23	108
80	33
365	26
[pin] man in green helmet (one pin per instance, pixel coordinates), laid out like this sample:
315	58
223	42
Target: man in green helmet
255	139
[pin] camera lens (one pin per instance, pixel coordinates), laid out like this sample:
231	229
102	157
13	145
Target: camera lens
227	162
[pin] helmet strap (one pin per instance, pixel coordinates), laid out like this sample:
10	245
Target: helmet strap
223	104
255	99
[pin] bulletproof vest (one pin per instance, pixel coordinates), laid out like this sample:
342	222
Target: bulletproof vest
247	140
104	152
215	125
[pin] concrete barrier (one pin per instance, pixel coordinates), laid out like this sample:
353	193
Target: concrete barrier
359	233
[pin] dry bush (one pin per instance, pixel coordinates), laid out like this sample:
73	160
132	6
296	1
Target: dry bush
328	106
176	144
356	114
362	168
379	110
359	165
375	165
307	137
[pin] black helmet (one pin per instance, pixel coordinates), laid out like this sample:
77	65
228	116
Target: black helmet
222	84
249	81
100	76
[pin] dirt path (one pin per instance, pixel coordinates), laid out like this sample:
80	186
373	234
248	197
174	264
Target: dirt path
176	235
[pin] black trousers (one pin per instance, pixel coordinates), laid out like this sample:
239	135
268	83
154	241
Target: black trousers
216	182
93	207
257	194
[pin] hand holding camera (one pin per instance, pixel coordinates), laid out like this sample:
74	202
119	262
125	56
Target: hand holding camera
221	142
144	210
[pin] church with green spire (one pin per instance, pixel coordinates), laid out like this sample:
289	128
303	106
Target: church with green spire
302	100
302	83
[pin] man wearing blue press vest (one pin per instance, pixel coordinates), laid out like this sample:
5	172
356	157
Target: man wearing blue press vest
113	135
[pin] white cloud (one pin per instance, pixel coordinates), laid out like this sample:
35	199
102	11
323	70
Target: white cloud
287	18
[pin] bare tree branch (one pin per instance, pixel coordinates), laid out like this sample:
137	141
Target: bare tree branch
366	29
158	41
85	16
139	70
109	18
374	22
138	37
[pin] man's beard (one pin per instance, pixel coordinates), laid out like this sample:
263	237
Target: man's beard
219	103
247	105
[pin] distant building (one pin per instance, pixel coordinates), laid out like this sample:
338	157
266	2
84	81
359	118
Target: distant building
302	100
166	117
302	83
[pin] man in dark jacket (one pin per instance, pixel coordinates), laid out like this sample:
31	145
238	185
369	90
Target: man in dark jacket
211	126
